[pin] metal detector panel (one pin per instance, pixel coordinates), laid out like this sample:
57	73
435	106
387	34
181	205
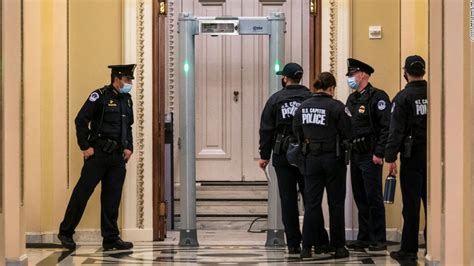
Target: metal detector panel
219	27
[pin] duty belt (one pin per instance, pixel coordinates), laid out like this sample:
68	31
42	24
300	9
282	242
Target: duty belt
316	148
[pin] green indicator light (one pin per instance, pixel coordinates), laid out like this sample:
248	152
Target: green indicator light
186	67
277	67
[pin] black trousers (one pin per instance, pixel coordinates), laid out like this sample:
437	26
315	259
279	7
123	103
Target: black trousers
366	180
110	170
324	171
413	187
289	180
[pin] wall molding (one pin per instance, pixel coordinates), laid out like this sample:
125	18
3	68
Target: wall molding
140	139
171	55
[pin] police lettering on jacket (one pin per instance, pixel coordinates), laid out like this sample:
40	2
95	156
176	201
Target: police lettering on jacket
288	109
408	119
321	118
314	116
277	116
421	106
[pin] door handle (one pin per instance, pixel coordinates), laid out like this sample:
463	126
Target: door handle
236	96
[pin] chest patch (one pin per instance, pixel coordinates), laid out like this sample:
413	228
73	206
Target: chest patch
112	103
362	109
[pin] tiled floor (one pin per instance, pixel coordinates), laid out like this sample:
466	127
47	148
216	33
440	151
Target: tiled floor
216	247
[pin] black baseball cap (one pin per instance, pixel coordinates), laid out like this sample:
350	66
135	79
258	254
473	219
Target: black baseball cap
415	65
292	71
354	65
123	70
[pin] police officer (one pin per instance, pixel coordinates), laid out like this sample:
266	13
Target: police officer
408	135
321	125
275	133
106	145
370	109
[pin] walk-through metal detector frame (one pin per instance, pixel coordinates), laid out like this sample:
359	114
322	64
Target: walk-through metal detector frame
189	26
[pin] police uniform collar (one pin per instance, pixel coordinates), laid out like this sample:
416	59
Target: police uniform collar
112	89
322	94
294	86
367	88
417	83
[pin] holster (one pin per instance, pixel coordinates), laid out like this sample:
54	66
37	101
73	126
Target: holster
110	146
278	144
281	144
407	147
347	151
107	145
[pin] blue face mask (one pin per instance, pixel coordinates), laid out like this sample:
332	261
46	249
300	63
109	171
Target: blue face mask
352	83
126	88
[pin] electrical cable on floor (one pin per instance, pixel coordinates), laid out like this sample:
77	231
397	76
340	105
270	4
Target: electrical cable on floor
257	231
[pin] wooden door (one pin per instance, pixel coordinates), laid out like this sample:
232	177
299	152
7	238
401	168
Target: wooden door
232	85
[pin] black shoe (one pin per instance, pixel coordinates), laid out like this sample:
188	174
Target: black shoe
341	253
357	244
378	246
294	250
323	249
118	244
403	255
67	242
306	253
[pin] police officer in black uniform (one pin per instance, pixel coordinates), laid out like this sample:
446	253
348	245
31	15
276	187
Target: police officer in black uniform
370	109
321	125
104	134
275	134
408	135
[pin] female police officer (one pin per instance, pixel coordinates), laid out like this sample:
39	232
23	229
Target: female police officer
321	124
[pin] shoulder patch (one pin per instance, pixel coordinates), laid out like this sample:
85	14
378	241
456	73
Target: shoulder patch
94	96
381	105
348	112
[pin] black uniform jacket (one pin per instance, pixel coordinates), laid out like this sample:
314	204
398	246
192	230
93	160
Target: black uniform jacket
106	113
321	118
370	111
409	118
277	115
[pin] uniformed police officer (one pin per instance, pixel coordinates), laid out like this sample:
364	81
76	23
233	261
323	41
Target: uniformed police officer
321	125
370	108
106	145
275	133
408	135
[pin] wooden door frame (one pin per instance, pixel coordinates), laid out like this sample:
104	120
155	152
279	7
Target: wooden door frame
159	87
315	37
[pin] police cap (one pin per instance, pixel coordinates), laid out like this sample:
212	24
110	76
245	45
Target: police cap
354	65
415	65
123	70
292	71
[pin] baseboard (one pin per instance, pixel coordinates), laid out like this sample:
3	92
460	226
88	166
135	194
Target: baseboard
90	236
19	261
137	234
431	261
393	234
